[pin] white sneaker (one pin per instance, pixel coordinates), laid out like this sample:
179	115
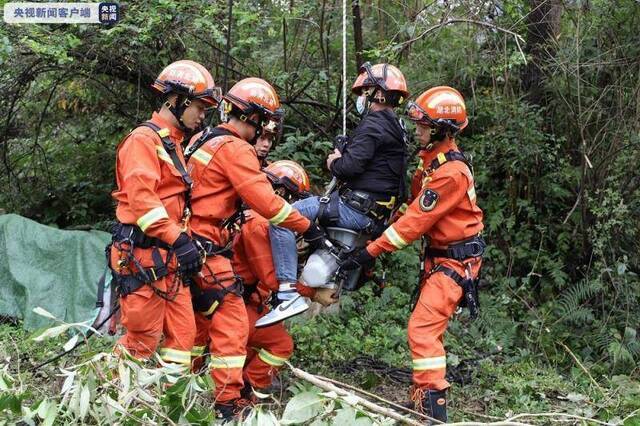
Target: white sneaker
285	309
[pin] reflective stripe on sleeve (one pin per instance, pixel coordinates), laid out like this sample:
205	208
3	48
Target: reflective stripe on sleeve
282	215
162	154
227	361
202	157
433	363
175	355
271	359
471	192
395	238
151	217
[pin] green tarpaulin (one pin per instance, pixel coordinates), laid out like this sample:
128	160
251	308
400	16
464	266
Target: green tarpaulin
55	269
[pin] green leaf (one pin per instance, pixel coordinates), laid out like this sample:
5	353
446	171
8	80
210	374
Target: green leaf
52	332
71	343
43	312
345	416
68	383
302	408
43	408
125	377
10	402
85	399
51	414
4	378
266	418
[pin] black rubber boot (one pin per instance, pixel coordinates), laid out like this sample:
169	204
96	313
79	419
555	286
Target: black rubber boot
247	391
225	412
434	404
236	409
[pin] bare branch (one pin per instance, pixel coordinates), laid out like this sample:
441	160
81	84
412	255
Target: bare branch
405	45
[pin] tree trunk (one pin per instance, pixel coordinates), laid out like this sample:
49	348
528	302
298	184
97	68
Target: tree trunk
543	28
357	31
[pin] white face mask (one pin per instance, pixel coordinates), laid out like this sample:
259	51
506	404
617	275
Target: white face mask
362	105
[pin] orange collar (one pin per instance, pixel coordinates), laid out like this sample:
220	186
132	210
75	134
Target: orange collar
174	133
229	127
428	156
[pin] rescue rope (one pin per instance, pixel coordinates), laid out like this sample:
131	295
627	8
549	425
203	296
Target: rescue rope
344	67
227	54
334	181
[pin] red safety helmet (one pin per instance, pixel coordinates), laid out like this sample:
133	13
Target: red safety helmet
288	174
441	108
190	80
387	78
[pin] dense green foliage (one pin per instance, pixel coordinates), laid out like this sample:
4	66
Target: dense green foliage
556	163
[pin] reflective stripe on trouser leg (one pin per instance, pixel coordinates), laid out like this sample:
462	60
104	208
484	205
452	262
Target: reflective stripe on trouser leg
179	327
271	359
431	363
438	300
227	362
175	356
201	343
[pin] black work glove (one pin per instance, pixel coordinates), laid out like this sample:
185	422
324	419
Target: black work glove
314	236
189	259
357	258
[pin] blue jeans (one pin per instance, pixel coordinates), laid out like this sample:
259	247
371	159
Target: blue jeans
283	241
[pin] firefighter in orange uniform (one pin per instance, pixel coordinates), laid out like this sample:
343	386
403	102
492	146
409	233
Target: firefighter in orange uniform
268	347
444	212
151	247
226	171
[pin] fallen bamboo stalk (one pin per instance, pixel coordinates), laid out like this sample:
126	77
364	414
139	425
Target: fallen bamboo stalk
371	395
502	423
575	358
322	384
332	385
507	422
571	416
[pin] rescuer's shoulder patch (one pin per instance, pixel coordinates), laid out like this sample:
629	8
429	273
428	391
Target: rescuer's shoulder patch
428	200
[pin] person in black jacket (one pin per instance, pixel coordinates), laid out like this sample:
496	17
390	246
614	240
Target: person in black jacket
370	168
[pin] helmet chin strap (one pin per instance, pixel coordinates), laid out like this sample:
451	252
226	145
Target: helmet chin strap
257	135
245	119
259	126
182	103
436	137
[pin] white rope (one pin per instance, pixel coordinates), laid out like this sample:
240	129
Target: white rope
344	67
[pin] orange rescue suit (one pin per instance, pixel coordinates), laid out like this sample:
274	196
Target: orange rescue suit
453	216
150	194
226	170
